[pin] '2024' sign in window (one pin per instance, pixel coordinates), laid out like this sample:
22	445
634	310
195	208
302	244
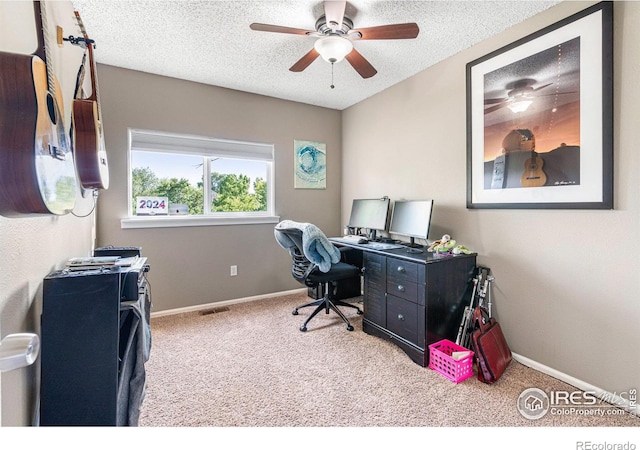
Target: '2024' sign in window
152	206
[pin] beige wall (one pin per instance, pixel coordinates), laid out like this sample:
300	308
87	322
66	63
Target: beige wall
567	282
33	246
190	265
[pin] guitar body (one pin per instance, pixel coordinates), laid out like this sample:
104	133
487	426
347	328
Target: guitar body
533	175
88	135
37	171
90	153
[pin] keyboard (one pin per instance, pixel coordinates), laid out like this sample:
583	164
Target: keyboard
383	246
351	239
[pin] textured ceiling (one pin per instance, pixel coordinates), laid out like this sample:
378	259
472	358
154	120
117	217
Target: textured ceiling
210	41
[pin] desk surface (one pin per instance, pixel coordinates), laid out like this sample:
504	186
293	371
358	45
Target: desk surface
425	257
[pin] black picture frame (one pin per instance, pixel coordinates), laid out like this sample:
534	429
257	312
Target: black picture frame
540	118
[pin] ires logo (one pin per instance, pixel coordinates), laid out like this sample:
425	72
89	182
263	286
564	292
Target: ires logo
575	398
534	403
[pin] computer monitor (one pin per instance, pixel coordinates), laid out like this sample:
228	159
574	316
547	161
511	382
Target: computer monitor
372	214
411	218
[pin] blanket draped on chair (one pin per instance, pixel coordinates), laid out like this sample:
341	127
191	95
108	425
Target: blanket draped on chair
315	245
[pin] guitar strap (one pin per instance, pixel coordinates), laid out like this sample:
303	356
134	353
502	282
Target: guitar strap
79	91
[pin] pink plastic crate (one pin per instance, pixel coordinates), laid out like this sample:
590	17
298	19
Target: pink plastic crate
441	361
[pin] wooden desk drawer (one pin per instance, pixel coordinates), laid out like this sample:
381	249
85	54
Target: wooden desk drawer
399	270
402	318
403	289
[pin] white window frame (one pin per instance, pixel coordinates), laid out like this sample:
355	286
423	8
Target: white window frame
207	147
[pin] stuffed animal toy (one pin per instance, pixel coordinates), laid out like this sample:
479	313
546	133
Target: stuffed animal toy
460	249
446	245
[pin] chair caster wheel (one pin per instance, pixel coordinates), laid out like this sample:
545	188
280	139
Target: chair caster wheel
360	312
349	328
294	312
303	328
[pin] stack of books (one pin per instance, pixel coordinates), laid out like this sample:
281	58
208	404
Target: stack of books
96	262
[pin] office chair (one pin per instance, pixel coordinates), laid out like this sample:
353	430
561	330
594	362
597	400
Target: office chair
290	236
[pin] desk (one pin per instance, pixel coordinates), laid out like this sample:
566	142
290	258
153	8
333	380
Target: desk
414	299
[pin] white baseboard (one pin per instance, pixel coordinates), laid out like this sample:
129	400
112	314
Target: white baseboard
610	397
170	312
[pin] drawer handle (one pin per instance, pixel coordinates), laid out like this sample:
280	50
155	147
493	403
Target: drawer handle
400	317
401	269
401	288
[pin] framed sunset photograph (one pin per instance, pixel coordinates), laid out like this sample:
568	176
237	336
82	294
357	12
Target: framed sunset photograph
540	118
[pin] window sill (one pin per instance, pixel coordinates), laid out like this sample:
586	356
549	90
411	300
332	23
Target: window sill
193	221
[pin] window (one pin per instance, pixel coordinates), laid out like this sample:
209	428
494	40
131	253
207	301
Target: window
206	180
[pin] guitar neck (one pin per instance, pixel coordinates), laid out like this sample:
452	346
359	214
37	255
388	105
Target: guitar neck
92	63
37	12
44	43
92	72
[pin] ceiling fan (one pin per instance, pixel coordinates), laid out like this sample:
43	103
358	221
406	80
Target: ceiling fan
335	34
519	96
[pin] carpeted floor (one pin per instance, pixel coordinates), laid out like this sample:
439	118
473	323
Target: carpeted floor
250	366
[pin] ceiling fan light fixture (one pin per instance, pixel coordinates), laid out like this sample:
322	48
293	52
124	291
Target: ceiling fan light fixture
519	105
333	49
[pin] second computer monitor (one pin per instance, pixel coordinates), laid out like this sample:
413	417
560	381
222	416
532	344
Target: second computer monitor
411	218
371	214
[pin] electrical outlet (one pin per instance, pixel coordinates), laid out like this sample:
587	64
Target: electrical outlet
234	271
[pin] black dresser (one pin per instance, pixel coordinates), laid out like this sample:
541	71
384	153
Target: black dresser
95	341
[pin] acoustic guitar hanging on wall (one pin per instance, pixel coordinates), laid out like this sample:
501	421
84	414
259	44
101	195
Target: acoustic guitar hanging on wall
37	170
88	135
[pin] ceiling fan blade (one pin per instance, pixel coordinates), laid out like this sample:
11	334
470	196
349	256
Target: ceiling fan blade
396	31
493	101
542	87
279	29
495	107
362	66
334	13
557	93
305	61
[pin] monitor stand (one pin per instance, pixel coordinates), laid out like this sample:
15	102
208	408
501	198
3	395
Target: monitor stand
413	247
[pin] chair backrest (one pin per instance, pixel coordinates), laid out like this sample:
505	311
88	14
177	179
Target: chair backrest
301	267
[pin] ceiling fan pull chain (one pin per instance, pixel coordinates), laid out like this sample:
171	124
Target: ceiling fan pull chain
332	86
